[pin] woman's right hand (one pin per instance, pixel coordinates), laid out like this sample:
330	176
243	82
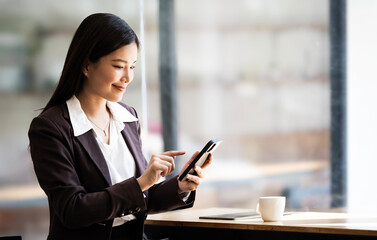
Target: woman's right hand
159	166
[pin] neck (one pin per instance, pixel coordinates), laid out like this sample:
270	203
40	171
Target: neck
92	106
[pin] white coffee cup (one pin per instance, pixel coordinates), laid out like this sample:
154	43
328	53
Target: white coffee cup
271	209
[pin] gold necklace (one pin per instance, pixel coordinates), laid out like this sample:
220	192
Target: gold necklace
104	130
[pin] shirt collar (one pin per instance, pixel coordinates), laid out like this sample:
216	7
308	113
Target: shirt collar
119	113
81	124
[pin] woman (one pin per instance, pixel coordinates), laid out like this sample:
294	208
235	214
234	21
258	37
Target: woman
86	147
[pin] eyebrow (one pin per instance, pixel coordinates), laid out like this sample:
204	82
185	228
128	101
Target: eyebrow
120	60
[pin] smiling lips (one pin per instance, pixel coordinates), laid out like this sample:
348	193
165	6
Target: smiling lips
120	88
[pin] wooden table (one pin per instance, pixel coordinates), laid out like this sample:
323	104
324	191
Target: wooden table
185	224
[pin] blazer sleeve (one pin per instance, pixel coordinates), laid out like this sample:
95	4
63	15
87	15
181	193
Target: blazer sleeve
53	156
164	197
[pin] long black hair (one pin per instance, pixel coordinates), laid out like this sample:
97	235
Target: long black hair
98	35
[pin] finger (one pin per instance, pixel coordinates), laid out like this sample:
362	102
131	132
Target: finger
199	171
194	179
163	169
170	165
208	161
163	166
169	160
166	158
173	153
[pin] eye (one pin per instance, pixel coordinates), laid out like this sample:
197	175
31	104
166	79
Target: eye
116	66
133	67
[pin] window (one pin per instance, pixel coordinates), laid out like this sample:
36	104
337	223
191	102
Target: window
256	74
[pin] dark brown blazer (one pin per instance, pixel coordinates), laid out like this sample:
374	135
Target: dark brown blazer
74	175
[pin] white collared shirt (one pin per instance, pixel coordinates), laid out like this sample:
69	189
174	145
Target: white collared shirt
118	157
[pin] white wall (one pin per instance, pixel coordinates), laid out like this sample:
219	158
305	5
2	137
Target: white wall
362	106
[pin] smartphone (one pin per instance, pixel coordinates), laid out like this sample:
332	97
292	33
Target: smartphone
200	158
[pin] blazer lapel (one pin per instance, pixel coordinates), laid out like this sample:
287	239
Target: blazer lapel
131	137
90	144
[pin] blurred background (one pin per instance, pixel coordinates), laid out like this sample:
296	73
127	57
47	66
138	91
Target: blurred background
256	73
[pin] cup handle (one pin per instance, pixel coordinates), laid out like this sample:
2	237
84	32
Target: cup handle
257	209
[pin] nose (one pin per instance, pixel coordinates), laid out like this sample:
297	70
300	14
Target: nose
125	79
127	76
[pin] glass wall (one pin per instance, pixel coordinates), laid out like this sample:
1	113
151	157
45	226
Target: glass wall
254	73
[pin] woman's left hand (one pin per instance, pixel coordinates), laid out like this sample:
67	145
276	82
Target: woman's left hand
193	181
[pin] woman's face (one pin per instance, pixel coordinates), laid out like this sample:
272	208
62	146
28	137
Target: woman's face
108	78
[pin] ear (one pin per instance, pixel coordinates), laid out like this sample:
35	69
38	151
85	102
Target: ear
85	68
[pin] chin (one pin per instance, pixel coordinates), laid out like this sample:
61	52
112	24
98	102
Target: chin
115	98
